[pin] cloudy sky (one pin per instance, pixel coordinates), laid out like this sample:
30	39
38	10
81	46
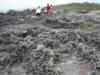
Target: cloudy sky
21	4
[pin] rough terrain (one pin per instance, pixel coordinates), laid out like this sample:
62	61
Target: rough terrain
53	45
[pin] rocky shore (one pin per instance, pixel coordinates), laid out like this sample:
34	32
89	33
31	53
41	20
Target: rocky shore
55	45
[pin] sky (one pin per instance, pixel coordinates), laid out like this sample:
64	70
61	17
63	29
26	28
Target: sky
22	4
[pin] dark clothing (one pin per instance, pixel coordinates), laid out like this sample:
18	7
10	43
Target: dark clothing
38	14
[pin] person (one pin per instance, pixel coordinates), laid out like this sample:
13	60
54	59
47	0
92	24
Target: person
48	9
51	8
38	11
45	10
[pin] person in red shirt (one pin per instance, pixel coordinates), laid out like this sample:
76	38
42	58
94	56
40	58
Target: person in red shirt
48	9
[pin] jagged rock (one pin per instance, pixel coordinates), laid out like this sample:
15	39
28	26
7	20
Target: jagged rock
5	60
40	46
17	71
51	44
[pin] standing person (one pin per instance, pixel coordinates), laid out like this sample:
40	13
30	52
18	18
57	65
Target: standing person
45	10
51	8
38	11
48	8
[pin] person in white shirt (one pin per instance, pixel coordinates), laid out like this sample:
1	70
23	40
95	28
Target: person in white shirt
38	11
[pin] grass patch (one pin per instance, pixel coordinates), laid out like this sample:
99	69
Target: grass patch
78	7
84	25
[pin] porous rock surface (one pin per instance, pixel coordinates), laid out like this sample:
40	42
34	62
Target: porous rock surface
53	45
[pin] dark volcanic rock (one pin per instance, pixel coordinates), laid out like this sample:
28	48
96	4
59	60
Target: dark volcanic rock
40	47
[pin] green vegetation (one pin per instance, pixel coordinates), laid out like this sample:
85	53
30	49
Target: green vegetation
84	25
79	7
